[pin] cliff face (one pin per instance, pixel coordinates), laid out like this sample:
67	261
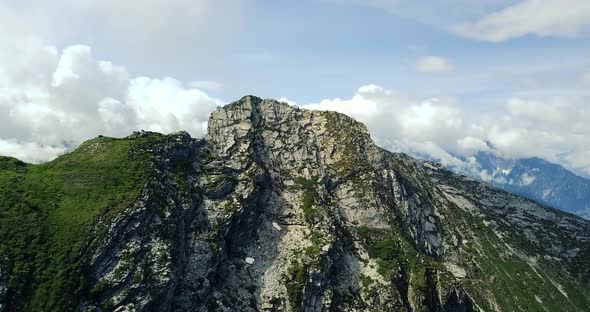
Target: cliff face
282	209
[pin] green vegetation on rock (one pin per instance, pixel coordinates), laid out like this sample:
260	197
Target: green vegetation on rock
48	210
317	241
312	211
397	257
294	282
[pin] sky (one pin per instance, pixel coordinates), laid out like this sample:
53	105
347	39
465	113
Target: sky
444	79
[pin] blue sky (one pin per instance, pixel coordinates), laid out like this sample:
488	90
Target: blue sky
307	50
311	49
512	73
325	50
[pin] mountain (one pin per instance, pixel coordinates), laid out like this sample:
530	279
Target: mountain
538	179
276	209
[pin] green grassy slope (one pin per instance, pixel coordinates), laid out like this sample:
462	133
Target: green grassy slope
47	210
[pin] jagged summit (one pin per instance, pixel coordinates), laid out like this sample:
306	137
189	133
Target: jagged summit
251	107
277	209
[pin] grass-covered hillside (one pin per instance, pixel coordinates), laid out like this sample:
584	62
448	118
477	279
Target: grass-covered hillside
48	210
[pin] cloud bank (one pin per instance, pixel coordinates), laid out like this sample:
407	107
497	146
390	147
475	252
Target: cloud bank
50	100
439	128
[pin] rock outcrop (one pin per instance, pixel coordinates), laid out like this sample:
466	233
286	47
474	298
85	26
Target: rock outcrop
284	209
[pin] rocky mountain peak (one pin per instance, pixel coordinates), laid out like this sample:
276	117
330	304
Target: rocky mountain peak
255	113
285	209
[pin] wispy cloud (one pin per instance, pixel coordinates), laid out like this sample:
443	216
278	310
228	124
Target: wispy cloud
564	18
492	20
206	85
433	64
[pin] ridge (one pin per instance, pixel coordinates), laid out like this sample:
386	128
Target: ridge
277	208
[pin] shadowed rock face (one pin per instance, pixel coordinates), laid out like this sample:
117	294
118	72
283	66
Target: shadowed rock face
283	209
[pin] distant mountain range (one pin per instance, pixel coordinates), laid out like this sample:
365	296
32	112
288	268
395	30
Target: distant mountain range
537	179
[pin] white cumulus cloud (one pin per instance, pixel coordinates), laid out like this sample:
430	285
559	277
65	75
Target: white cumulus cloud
556	129
52	100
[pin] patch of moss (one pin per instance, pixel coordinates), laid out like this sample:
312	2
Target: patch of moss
207	155
137	278
379	243
295	282
312	211
317	241
366	282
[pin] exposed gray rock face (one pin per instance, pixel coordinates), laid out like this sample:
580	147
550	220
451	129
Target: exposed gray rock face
283	209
